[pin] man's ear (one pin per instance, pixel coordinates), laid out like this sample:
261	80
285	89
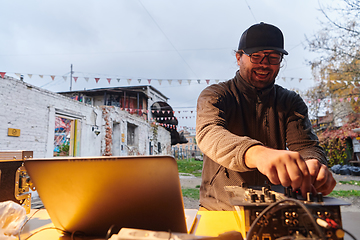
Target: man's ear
238	57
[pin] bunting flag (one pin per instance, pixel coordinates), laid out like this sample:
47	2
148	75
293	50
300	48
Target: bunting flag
342	99
2	74
180	81
75	78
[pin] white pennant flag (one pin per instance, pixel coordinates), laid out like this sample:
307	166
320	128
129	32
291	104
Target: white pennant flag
18	74
189	81
169	80
30	75
86	79
65	77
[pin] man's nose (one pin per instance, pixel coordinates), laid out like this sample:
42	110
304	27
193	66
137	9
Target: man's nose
267	62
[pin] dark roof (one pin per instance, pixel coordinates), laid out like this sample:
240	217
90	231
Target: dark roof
135	89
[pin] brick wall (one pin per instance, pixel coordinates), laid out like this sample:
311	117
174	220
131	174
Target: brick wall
33	110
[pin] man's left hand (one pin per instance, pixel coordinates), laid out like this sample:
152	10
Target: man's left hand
321	177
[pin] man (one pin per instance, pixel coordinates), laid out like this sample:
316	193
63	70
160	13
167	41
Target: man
255	132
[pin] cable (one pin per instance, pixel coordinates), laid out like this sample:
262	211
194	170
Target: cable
43	230
251	11
167	38
348	233
272	206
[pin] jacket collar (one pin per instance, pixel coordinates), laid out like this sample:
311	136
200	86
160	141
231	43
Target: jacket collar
250	90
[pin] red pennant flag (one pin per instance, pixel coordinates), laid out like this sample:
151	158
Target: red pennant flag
97	80
75	79
207	81
2	74
52	77
109	80
149	80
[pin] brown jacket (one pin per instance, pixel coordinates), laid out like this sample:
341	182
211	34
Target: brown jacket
232	117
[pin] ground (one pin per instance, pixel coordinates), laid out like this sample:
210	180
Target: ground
192	182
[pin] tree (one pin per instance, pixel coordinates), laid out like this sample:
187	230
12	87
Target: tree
337	41
338	72
338	67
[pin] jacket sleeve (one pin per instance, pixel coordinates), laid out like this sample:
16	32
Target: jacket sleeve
300	136
214	140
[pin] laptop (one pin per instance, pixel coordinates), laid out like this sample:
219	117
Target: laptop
92	194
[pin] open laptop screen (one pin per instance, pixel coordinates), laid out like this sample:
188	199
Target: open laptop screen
90	194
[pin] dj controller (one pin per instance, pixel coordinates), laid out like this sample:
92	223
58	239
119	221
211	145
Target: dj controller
275	212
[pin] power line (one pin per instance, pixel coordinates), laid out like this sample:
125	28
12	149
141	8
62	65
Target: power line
167	38
251	11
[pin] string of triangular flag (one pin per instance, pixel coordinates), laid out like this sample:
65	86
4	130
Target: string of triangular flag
129	81
110	79
171	126
341	99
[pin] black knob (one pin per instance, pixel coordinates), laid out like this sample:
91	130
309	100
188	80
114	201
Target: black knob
320	197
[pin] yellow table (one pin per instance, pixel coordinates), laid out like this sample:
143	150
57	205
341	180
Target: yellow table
207	223
213	223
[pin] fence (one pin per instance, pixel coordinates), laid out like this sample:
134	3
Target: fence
186	154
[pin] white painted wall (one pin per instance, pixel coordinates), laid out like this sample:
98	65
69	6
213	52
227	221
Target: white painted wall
33	110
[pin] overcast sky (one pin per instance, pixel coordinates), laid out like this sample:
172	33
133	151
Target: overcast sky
162	40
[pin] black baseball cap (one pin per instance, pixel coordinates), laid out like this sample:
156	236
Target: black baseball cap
260	37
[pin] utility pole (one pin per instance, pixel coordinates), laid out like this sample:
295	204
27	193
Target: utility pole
71	72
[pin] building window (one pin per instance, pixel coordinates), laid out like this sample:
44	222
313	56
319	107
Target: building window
131	134
159	147
89	100
66	136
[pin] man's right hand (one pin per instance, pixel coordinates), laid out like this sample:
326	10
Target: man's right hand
283	167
